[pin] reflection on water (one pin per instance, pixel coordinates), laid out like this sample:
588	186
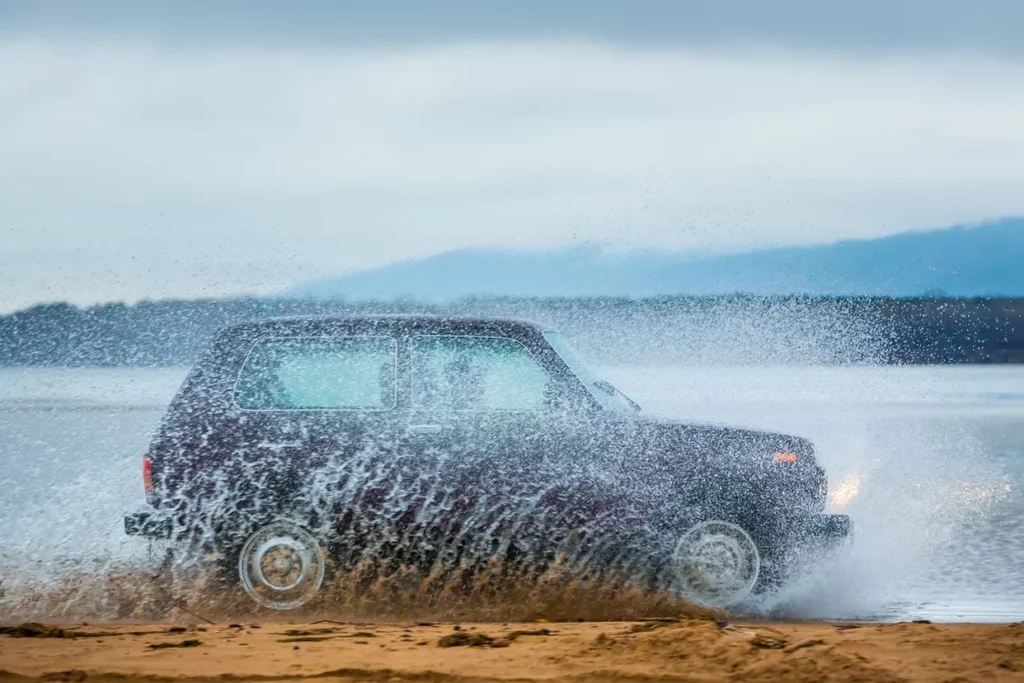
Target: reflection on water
927	461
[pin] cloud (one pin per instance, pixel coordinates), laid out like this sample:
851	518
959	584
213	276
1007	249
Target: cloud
131	171
867	25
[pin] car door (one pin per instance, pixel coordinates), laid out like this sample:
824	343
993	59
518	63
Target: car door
314	414
483	420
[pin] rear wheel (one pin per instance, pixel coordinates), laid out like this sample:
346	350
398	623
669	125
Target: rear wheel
281	566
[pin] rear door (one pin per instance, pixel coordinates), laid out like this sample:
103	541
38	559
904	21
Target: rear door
312	412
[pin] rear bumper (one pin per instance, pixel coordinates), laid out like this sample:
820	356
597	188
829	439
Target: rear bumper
149	523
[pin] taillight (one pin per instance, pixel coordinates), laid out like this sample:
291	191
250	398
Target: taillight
147	477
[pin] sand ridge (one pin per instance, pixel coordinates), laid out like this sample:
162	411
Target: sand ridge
656	650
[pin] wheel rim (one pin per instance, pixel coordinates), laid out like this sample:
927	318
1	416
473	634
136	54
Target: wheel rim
281	566
716	564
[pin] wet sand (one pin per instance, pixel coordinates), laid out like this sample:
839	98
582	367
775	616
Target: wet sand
661	650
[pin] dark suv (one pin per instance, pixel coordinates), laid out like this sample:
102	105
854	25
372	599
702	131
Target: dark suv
301	444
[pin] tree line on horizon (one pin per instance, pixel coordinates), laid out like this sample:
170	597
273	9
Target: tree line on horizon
738	329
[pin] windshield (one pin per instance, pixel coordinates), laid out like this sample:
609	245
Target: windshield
606	394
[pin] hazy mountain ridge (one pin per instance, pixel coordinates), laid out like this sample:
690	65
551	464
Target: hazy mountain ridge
642	308
982	260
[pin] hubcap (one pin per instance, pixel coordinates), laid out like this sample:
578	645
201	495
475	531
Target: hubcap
281	566
716	564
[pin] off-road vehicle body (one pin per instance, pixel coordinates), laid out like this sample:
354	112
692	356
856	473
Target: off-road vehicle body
433	442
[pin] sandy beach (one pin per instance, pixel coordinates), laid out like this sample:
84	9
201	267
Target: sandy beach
658	650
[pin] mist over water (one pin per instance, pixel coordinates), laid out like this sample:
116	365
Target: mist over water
926	460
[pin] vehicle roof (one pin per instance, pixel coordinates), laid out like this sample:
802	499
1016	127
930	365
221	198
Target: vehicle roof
315	322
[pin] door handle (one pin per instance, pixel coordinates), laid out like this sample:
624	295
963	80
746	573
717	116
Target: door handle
279	444
424	429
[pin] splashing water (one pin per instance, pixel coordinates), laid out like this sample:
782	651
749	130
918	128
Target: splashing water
925	460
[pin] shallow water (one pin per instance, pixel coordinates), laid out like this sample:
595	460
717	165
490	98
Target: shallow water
928	462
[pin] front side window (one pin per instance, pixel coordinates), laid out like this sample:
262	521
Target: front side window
476	373
335	373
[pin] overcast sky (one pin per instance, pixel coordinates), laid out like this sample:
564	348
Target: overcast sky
152	150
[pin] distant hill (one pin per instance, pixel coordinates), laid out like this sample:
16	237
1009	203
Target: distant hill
982	260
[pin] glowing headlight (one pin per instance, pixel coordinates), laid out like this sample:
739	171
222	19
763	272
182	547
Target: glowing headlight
845	490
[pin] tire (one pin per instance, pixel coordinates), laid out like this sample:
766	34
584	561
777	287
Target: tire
716	563
280	565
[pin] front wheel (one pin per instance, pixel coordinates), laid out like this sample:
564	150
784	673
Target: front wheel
716	564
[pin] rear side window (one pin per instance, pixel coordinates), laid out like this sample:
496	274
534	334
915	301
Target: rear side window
336	373
476	373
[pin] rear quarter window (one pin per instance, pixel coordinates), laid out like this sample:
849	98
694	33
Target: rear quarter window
316	373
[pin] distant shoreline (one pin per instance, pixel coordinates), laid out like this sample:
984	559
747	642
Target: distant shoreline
735	330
